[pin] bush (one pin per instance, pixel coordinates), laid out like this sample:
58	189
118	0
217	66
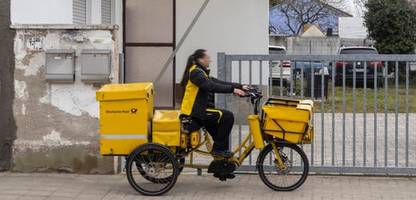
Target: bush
392	24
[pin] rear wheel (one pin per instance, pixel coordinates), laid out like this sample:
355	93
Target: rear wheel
152	179
291	175
158	164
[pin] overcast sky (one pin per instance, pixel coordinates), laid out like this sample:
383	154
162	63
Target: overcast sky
352	8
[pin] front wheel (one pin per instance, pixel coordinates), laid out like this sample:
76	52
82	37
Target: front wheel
289	175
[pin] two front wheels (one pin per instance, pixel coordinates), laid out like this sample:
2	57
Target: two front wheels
153	170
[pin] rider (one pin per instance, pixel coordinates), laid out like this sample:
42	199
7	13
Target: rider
198	102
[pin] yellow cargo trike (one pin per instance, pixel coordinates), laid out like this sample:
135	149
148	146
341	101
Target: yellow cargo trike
156	146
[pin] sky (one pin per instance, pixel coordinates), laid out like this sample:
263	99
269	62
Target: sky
352	8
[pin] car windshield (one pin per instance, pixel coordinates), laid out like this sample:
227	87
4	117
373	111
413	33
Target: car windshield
277	51
358	51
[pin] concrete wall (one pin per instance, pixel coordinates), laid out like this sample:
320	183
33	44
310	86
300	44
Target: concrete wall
316	45
7	123
57	123
231	26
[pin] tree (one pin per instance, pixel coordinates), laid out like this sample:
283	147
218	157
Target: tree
391	23
298	13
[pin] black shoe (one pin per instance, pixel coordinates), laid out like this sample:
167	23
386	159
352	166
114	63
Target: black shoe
224	154
224	177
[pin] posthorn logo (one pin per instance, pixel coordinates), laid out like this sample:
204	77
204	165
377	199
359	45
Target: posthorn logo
133	110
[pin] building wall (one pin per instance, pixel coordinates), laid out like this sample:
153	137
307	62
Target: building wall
41	11
57	124
59	11
352	27
316	45
232	26
7	123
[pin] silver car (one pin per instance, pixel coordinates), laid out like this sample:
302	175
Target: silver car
280	69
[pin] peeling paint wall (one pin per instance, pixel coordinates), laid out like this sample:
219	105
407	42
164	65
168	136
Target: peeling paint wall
57	123
7	123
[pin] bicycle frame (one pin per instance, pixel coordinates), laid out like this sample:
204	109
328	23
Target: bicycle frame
243	150
254	139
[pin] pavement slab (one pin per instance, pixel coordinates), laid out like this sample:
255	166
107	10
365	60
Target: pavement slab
205	187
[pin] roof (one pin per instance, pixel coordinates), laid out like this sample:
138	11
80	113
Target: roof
310	30
339	12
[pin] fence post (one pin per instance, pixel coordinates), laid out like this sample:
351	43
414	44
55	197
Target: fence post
221	74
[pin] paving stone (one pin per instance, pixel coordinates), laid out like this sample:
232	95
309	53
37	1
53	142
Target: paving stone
243	187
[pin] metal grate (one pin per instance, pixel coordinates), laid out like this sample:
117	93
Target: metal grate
79	11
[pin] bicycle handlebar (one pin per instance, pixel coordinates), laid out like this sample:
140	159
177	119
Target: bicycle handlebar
255	95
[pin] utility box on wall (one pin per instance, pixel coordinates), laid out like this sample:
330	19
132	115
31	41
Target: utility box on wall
96	65
60	64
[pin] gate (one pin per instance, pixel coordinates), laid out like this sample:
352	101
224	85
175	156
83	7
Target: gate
365	106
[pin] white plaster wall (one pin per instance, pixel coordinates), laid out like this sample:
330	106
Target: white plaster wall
352	27
231	26
41	11
94	16
55	11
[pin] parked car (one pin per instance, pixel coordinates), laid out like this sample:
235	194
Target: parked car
359	67
307	66
319	71
280	69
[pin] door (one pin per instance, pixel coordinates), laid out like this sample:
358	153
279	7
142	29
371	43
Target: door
149	39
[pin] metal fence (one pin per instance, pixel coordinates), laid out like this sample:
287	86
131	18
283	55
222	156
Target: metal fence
365	106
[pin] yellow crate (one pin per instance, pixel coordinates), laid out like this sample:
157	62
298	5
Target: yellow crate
125	113
166	128
292	116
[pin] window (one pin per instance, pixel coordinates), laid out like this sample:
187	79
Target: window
92	11
106	11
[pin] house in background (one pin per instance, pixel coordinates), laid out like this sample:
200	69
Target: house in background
283	20
352	27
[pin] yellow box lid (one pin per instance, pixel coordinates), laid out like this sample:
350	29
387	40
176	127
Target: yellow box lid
125	91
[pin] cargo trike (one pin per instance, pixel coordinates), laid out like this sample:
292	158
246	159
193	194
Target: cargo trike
157	147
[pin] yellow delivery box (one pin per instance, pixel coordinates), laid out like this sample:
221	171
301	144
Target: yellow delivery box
166	129
125	114
289	120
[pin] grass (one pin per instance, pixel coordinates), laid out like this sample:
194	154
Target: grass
369	102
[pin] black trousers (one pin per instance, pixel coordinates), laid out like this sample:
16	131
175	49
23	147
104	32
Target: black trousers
219	124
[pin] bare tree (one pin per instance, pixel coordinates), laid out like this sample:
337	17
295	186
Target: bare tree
298	13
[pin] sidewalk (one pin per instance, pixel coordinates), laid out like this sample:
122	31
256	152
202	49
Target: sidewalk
114	187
